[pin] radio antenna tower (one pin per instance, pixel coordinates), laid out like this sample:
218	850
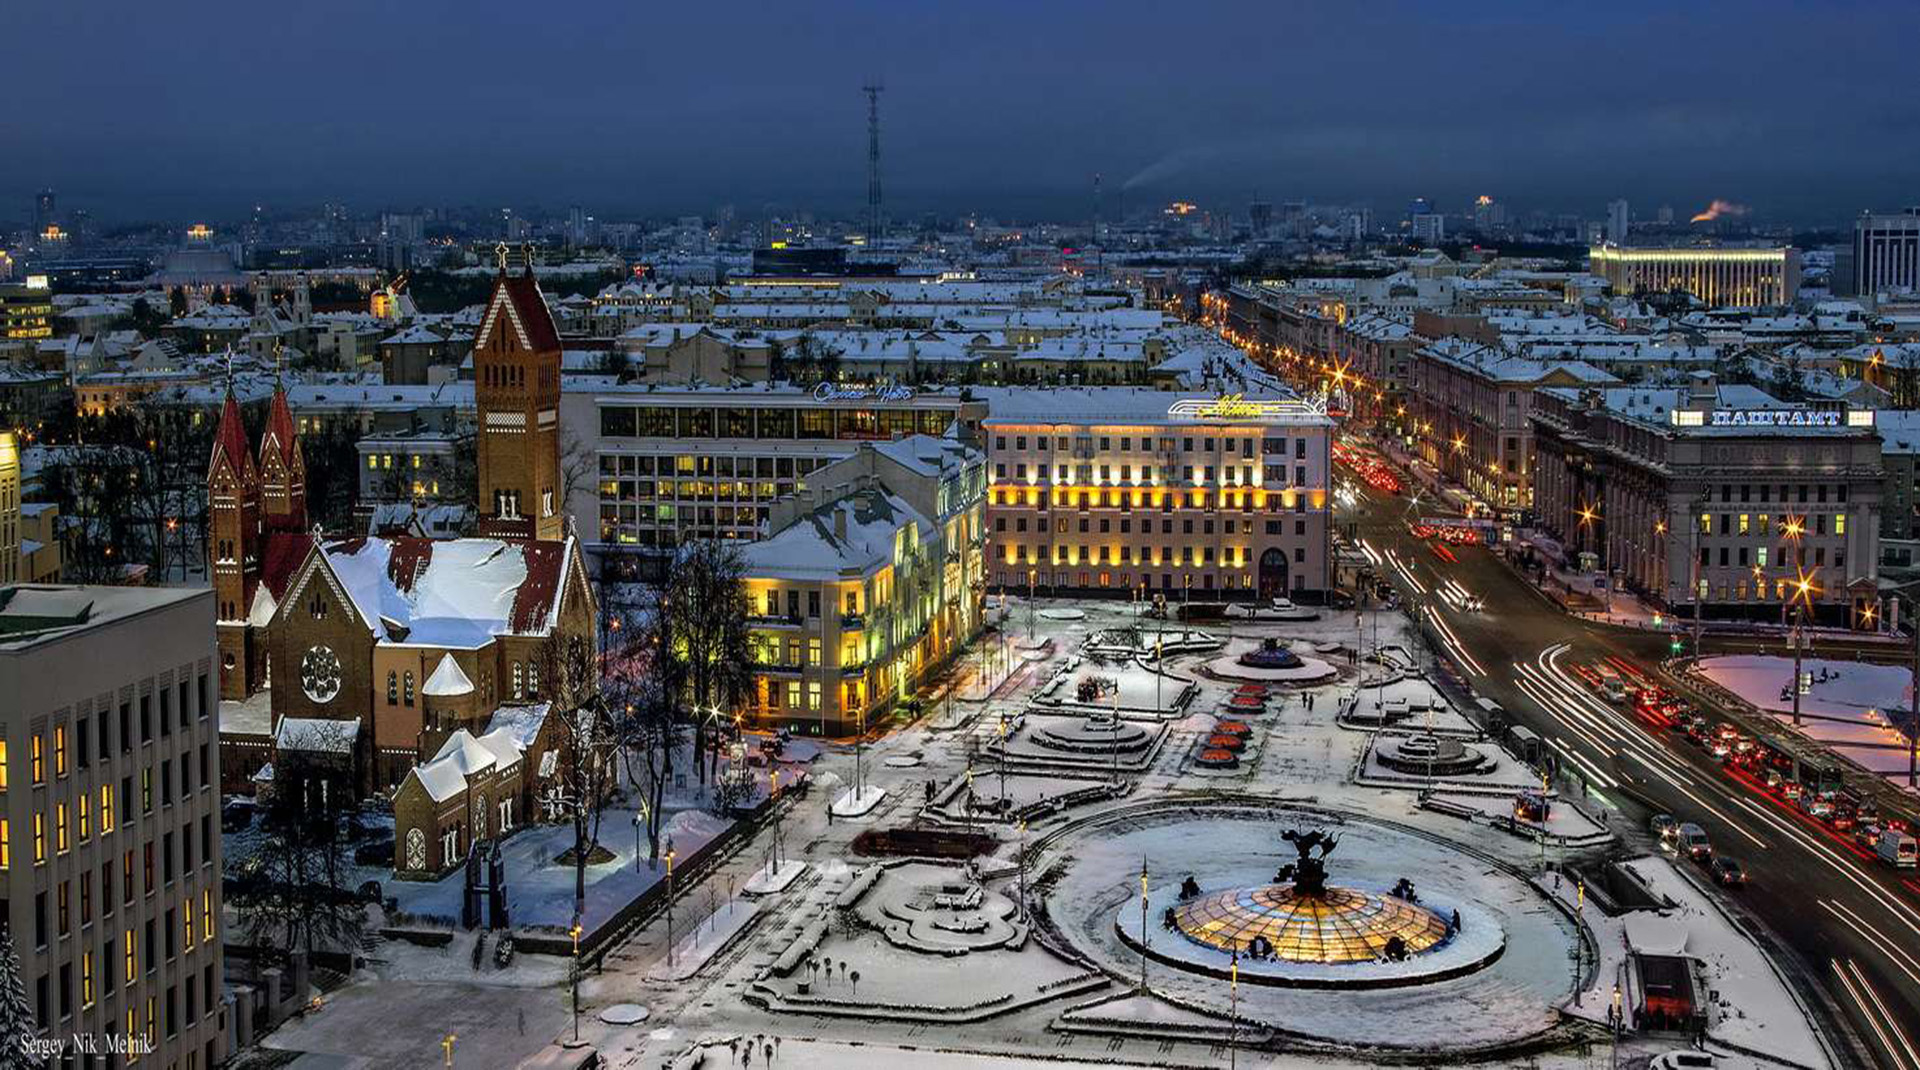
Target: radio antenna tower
872	90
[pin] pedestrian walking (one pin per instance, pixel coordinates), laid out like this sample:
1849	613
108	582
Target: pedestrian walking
768	1052
523	1023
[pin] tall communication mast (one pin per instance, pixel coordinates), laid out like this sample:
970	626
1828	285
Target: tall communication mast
872	90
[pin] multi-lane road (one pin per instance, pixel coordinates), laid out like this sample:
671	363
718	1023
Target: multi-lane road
1851	925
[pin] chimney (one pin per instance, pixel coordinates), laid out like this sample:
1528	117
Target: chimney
840	521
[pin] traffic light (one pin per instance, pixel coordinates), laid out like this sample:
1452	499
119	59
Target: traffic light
1678	646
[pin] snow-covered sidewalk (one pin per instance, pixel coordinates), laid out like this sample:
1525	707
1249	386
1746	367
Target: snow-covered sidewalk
774	877
858	804
691	952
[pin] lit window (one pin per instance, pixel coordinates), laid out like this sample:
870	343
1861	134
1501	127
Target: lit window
59	750
86	978
39	838
106	808
37	751
86	826
133	968
60	828
1840	524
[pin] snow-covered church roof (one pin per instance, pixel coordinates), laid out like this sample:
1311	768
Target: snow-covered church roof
451	592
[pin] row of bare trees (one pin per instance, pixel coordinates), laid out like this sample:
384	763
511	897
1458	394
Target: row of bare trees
679	670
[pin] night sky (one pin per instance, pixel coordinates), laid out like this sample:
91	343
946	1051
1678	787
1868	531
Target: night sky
1806	111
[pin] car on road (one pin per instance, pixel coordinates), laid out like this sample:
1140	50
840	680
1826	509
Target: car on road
1726	872
1898	849
1720	748
1693	842
1815	804
1664	826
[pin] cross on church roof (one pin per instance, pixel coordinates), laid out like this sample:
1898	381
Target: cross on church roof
500	255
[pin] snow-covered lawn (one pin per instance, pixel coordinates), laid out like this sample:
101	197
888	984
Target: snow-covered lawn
540	891
1849	706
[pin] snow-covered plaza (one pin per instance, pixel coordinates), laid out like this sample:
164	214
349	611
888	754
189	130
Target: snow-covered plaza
1056	862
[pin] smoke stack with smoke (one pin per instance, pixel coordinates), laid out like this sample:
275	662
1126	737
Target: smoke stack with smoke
1719	209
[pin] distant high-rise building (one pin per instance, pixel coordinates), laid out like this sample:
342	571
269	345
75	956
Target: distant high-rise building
1886	252
45	211
1618	216
1260	213
1489	215
1666	215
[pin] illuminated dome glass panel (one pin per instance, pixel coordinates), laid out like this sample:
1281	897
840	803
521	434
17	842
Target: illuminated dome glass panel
1345	925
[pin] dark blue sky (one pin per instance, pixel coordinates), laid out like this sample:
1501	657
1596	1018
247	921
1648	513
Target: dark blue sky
196	108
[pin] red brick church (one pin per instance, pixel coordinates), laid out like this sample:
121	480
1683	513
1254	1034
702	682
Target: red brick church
379	654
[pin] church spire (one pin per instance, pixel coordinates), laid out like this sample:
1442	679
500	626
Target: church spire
283	469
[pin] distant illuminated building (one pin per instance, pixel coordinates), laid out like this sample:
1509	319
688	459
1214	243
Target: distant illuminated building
200	232
1886	252
1721	277
26	311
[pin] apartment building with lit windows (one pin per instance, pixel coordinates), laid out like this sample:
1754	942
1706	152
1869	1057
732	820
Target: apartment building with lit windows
1110	490
109	818
871	579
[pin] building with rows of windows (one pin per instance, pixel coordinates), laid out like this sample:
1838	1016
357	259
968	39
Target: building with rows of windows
679	463
1115	489
109	817
871	579
1715	495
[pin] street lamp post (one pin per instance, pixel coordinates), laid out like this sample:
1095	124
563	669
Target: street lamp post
779	829
1233	1014
1144	935
1032	575
575	933
446	1047
669	904
1913	710
1023	869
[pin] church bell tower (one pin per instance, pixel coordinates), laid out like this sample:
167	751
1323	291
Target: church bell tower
516	376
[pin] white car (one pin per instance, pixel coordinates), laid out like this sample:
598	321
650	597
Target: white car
1683	1060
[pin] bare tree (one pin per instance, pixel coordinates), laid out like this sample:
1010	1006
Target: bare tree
705	611
579	465
584	773
291	890
645	687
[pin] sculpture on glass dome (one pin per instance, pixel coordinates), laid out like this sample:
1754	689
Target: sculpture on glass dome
1309	873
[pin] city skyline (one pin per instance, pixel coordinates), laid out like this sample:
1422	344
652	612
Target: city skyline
981	112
